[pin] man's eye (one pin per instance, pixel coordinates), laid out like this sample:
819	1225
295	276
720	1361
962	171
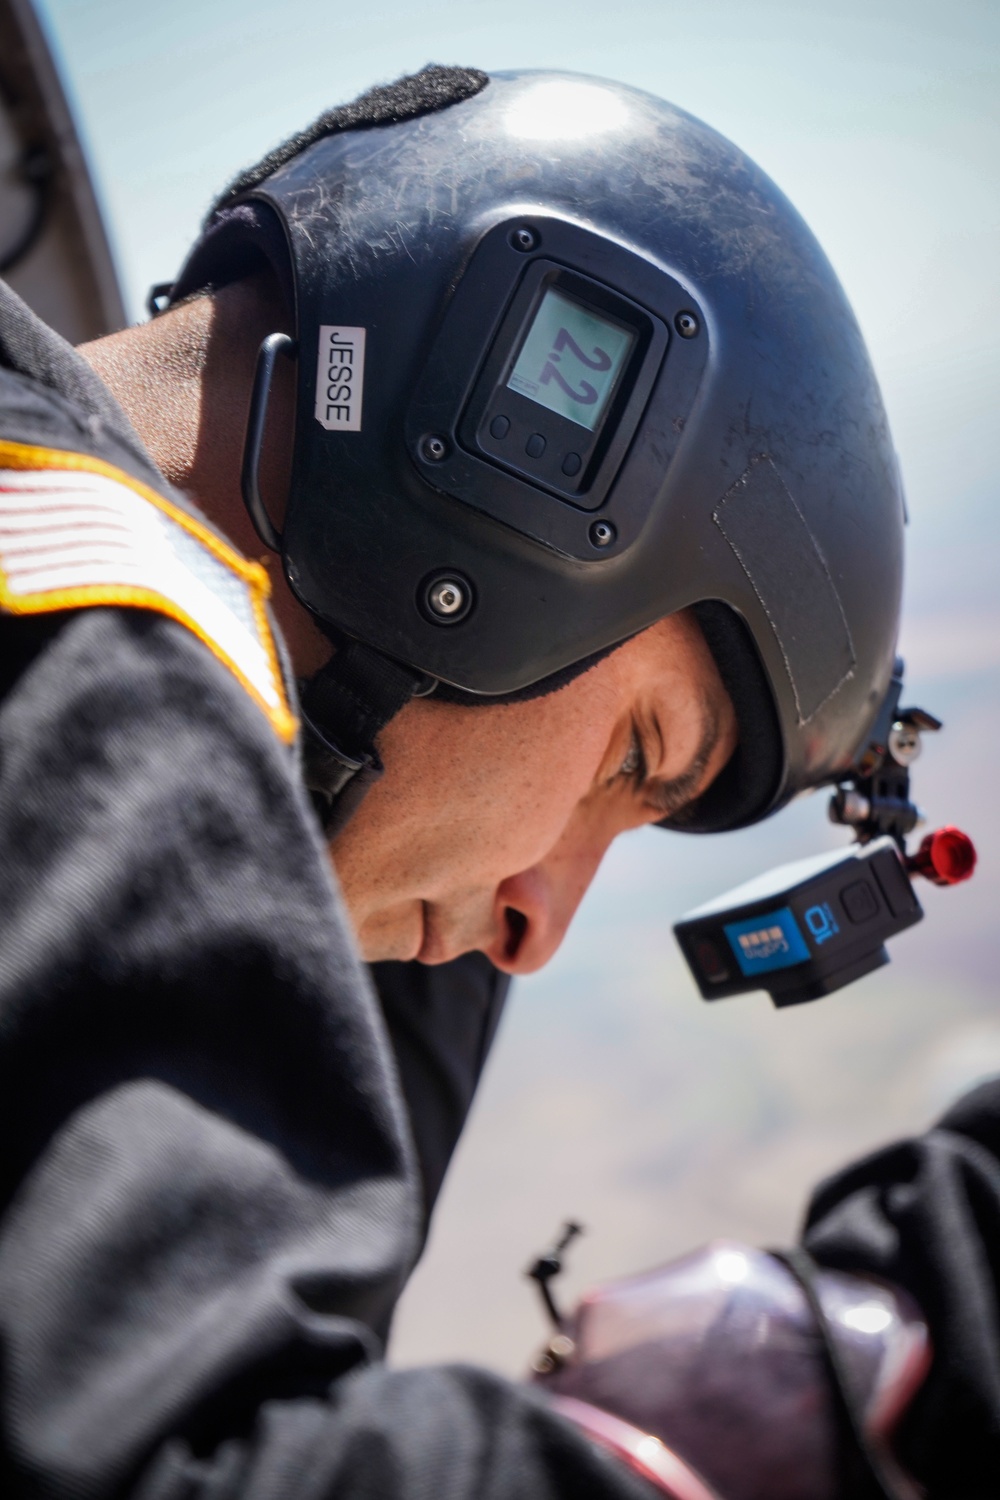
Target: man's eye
634	764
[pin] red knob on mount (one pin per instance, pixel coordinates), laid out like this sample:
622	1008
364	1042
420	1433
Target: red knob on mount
945	857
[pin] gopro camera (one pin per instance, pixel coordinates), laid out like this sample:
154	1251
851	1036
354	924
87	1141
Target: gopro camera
803	930
806	929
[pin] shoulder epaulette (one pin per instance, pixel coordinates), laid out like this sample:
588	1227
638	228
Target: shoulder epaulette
77	532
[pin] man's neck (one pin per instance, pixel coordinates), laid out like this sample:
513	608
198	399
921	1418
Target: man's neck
184	381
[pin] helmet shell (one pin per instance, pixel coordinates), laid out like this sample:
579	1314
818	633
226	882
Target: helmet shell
759	471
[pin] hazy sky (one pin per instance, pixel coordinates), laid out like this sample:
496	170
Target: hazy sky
614	1093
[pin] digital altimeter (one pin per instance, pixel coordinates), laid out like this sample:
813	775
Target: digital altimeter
570	359
561	392
806	929
540	426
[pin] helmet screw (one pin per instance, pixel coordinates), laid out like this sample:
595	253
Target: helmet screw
602	533
904	743
524	239
687	325
433	447
449	598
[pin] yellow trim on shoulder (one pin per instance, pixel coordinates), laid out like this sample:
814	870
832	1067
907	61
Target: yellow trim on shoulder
27	457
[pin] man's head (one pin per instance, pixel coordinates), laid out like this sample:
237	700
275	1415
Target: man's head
567	371
565	348
490	820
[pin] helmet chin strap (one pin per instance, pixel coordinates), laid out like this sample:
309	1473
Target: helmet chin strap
344	707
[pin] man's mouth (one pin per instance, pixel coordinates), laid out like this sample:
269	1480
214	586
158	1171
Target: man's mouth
437	946
433	948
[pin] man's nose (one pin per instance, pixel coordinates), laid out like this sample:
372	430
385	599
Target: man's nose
534	909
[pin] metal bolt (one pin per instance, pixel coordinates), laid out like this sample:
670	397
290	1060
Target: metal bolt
557	1351
850	807
524	239
904	743
433	447
602	533
447	598
687	325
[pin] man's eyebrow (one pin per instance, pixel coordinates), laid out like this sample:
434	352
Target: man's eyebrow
668	797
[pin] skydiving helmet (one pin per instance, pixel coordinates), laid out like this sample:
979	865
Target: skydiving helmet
568	362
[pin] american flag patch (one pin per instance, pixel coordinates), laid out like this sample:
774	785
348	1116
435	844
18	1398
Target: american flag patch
76	532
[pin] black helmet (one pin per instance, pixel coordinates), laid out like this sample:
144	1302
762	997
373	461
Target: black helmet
569	362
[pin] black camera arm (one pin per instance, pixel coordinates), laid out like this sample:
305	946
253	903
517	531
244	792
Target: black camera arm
875	798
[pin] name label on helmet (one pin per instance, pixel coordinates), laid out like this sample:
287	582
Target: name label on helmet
340	377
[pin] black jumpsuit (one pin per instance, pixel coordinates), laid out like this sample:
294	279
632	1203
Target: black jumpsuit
219	1149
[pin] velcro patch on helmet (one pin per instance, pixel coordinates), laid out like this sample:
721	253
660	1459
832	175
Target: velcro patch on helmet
411	96
77	532
779	554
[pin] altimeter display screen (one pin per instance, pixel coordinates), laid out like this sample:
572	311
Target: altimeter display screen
571	359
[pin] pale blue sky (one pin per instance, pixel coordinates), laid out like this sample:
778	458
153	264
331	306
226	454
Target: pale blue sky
615	1094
